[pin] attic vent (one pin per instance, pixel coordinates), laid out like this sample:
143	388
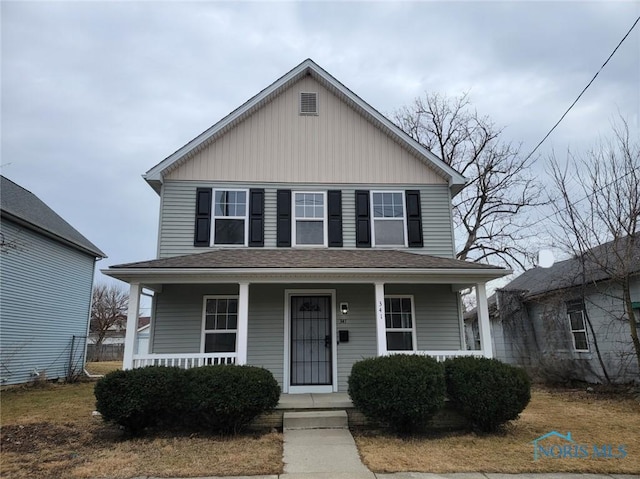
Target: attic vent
308	103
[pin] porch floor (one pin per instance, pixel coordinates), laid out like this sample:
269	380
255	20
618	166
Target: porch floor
314	401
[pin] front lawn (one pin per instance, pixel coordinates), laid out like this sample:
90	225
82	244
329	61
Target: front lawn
49	432
591	418
103	367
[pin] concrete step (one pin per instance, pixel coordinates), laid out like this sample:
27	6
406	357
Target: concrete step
315	420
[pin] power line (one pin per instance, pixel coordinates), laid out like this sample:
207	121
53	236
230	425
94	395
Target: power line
591	193
583	90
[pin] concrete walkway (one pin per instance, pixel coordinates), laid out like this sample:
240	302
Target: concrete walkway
322	454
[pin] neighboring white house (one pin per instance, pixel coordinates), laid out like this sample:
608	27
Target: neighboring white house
555	320
46	277
303	232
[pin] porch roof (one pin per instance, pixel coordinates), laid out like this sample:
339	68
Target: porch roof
250	263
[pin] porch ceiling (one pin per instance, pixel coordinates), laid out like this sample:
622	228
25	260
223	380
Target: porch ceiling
305	265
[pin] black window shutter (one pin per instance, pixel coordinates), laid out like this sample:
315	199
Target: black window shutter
283	238
414	219
202	235
334	208
363	220
256	217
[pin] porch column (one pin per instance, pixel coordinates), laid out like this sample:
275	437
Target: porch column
243	323
381	329
483	320
132	325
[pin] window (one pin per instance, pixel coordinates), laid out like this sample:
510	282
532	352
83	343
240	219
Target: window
220	324
389	221
399	323
309	219
230	217
577	323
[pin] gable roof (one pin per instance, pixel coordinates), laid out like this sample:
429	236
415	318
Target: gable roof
308	67
25	208
568	273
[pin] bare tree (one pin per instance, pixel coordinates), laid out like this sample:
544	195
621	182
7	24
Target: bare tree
598	212
108	312
490	214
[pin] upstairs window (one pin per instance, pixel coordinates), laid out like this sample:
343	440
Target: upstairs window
399	323
578	325
220	324
309	219
230	217
389	219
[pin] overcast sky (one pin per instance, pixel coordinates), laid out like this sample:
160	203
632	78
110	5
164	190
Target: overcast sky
96	93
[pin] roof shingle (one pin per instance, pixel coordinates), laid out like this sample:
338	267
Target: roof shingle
22	205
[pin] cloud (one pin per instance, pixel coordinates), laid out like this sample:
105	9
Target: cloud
96	93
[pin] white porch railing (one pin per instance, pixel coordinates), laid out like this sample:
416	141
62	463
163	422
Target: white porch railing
185	361
442	355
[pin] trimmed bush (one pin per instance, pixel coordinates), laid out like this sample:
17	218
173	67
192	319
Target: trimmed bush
402	391
139	398
488	392
217	398
227	398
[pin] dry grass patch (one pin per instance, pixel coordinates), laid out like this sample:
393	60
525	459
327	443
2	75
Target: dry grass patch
591	419
50	433
103	367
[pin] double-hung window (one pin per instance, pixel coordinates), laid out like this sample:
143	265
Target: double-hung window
230	223
400	325
577	323
220	324
309	218
389	218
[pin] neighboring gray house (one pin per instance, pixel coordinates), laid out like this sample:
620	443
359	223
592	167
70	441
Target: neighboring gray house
46	277
543	320
302	233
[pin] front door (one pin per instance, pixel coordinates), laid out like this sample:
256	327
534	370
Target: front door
311	341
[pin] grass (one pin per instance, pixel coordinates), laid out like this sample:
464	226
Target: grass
103	367
49	432
591	419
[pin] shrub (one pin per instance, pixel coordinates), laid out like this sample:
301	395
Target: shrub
217	398
488	392
227	398
402	391
139	398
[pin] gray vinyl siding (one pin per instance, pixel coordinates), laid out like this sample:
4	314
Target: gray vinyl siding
177	325
45	295
437	223
176	227
437	318
554	343
177	322
361	324
265	341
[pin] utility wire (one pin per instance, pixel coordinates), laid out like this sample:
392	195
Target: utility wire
591	193
584	90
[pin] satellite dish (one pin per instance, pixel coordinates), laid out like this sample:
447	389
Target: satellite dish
545	258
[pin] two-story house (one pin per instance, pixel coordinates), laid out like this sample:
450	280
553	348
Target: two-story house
301	233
